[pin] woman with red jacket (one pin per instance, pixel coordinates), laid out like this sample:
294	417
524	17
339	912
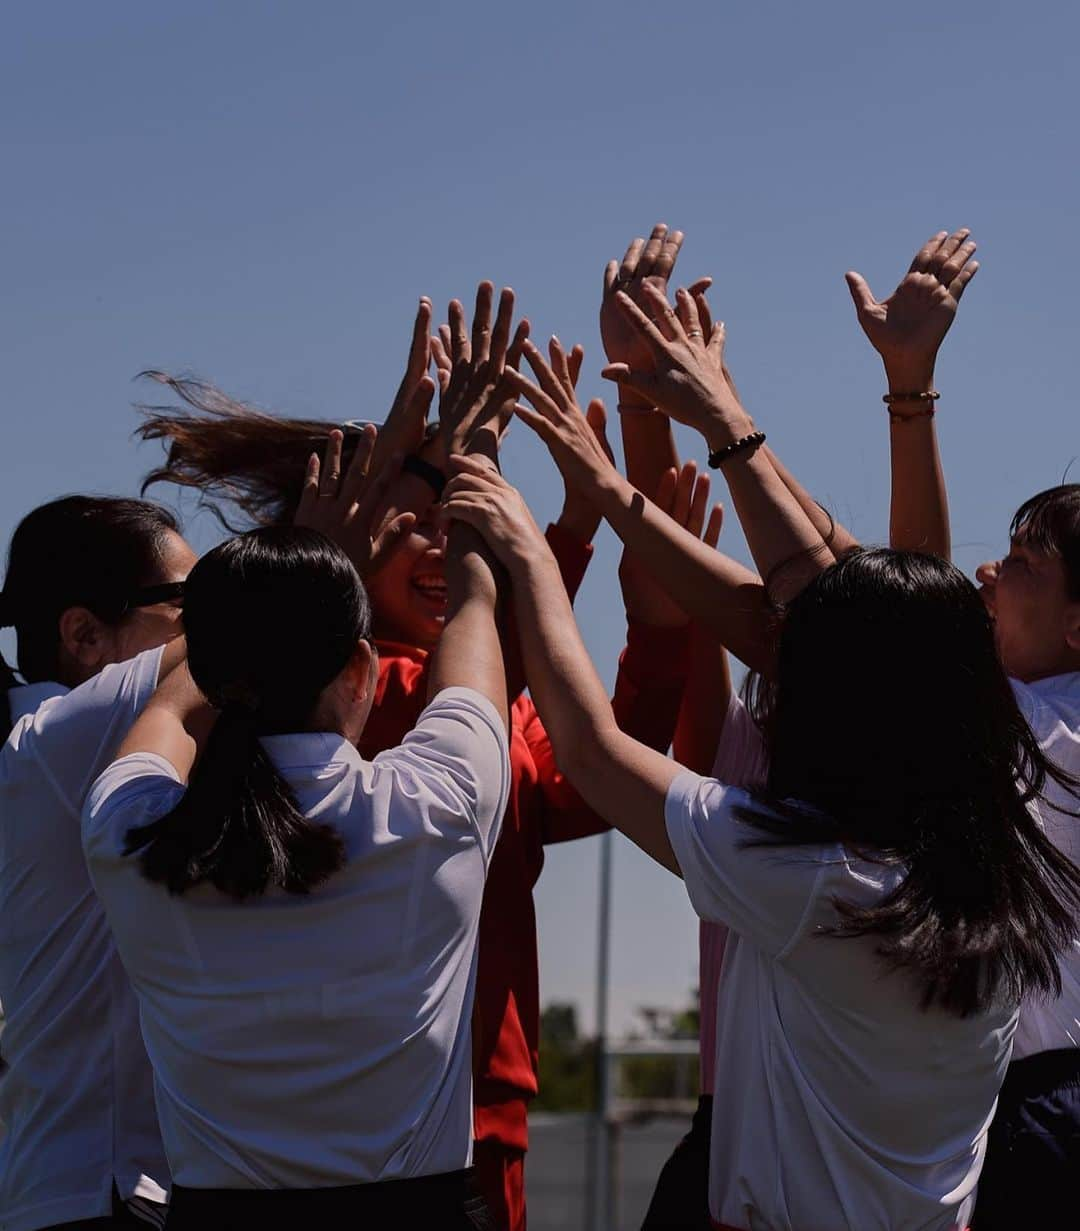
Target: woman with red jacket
256	462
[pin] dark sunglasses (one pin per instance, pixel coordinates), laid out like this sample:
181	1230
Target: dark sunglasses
148	596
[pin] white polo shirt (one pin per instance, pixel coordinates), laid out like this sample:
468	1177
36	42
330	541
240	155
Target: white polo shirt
314	1040
77	1096
848	1105
1052	709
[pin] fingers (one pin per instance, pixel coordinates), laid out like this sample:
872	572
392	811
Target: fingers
481	328
923	257
860	292
643	326
716	524
443	366
651	252
611	273
309	493
716	342
513	354
549	382
699	504
560	364
500	337
641	382
956	286
574	361
669	254
389	539
705	320
659	310
331	466
946	251
596	416
686	308
460	350
534	419
420	348
470	465
358	467
665	490
629	266
524	387
684	492
950	270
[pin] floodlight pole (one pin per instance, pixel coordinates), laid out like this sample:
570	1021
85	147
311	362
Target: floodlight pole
600	1177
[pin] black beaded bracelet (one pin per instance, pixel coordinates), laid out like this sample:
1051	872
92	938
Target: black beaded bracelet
432	475
719	456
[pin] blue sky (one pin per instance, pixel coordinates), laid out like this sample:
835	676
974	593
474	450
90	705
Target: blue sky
259	192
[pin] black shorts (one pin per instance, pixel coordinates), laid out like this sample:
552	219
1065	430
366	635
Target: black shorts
1030	1175
680	1201
437	1202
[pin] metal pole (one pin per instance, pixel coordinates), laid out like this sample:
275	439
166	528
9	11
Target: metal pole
600	1178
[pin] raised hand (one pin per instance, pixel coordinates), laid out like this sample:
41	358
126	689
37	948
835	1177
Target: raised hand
558	420
688	380
474	393
908	328
646	263
684	496
403	431
480	497
345	508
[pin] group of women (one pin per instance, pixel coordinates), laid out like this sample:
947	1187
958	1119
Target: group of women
270	820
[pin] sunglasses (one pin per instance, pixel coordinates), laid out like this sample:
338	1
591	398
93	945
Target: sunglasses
149	596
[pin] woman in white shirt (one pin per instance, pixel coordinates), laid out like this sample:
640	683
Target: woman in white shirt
92	585
889	895
299	924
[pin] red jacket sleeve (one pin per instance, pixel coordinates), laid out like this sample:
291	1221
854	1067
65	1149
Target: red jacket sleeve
648	693
572	555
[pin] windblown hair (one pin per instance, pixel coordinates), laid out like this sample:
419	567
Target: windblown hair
893	725
1050	523
234	454
239	826
79	551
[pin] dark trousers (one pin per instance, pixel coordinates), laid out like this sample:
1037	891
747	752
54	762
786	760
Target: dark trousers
431	1203
138	1215
1032	1170
680	1201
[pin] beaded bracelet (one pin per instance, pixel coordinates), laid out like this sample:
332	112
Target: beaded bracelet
718	456
927	395
432	475
896	417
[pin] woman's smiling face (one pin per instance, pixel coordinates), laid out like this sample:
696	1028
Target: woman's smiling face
408	594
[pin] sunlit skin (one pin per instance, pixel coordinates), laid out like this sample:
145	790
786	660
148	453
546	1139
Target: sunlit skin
408	594
1036	623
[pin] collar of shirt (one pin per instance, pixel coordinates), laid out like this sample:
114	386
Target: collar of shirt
1061	686
311	750
25	698
400	649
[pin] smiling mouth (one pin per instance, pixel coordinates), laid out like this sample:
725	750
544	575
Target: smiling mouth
432	590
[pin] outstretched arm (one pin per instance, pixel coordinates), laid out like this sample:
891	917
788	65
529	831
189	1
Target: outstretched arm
624	781
906	330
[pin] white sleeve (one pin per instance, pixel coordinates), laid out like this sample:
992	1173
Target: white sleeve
459	757
133	791
740	754
761	892
73	738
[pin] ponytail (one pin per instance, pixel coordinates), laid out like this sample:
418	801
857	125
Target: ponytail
238	826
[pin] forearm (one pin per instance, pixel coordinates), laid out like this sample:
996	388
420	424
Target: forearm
838	539
919	505
469	653
175	724
648	443
704	705
726	598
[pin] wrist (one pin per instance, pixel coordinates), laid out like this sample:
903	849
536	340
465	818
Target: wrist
582	524
911	376
633	399
723	427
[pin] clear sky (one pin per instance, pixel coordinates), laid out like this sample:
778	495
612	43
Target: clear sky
258	192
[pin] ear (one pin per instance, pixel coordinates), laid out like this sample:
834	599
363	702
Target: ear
364	670
85	640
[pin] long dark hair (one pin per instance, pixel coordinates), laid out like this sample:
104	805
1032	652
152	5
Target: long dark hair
1050	522
79	551
232	453
893	725
272	617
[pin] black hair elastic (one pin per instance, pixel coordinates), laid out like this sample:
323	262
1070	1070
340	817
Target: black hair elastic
432	475
754	441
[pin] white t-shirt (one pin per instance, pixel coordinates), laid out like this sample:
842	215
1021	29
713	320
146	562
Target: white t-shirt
848	1106
314	1040
77	1096
1052	709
